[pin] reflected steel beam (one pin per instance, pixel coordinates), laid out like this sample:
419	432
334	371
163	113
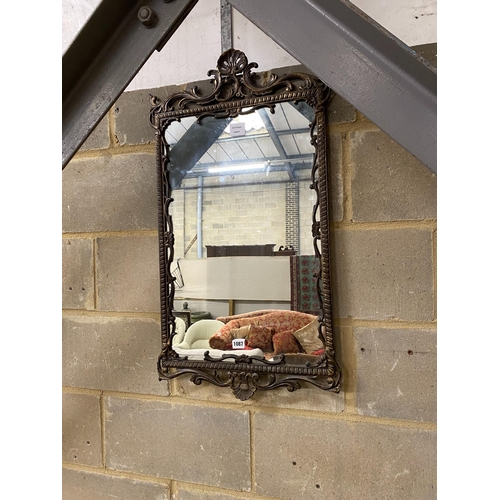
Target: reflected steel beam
251	137
193	145
275	168
276	162
185	153
113	45
276	140
305	110
361	61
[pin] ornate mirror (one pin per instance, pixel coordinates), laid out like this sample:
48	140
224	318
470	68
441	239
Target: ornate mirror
243	223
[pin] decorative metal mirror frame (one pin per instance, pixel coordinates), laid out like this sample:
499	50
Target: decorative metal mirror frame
237	90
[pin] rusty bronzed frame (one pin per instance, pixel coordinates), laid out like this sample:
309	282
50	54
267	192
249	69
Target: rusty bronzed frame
237	90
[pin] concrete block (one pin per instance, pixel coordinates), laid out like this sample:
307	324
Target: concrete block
112	354
77	274
388	183
131	112
304	458
384	274
190	443
99	138
190	494
128	274
81	485
396	372
81	429
338	110
110	193
335	187
428	51
307	397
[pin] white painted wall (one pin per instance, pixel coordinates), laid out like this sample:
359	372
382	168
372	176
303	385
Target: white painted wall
195	46
237	278
74	14
412	21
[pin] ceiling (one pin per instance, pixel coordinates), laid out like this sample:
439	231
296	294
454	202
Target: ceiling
278	140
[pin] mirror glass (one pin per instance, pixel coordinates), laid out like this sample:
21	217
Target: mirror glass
250	187
241	190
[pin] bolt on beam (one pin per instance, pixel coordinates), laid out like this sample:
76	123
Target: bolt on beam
111	48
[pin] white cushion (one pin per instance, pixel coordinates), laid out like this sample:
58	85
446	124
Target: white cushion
202	330
180	331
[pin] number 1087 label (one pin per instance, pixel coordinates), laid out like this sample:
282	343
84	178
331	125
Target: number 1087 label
238	343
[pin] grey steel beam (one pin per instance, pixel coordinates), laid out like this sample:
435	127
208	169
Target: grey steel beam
369	67
107	53
226	26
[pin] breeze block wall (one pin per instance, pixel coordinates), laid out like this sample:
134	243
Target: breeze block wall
129	436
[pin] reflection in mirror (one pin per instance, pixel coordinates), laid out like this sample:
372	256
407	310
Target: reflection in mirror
242	185
246	195
251	186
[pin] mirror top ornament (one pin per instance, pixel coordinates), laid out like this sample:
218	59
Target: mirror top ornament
266	348
234	83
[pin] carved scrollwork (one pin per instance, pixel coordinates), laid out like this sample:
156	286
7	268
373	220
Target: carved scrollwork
244	384
243	358
234	79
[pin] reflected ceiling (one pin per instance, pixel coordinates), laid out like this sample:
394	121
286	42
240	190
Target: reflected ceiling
280	140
